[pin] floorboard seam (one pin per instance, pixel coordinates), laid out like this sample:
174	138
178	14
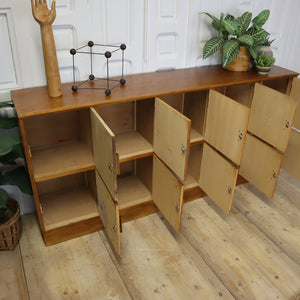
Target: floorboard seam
109	251
24	273
267	236
216	274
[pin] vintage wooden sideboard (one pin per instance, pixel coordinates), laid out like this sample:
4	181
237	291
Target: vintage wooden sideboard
162	139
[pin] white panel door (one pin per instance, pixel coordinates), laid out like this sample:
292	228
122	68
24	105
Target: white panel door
166	32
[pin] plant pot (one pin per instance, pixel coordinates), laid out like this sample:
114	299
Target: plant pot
10	231
263	70
266	50
241	62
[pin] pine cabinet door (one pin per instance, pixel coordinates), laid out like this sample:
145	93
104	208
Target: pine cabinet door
104	149
171	138
109	213
217	178
226	125
272	115
261	164
167	193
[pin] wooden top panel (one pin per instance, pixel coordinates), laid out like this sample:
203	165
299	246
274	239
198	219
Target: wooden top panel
35	101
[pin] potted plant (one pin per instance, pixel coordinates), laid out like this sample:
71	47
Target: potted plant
12	172
264	63
237	40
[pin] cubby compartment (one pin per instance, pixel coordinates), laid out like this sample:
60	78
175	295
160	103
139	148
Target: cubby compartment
67	200
132	125
134	184
281	84
241	93
192	105
192	179
59	144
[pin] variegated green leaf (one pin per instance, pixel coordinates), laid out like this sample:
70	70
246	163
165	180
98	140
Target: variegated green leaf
245	20
259	35
230	51
229	17
246	39
232	26
253	51
261	18
212	46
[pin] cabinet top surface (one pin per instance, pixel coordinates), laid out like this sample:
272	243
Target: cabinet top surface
35	101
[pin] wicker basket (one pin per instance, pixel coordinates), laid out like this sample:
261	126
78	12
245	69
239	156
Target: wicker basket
10	231
241	62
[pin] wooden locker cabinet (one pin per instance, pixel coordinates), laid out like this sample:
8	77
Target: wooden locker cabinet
64	157
271	118
158	184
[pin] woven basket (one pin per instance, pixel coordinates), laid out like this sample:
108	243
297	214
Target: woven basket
241	62
10	231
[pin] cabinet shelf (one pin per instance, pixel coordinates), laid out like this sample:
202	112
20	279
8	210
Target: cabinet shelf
131	145
132	191
196	137
61	159
68	206
190	182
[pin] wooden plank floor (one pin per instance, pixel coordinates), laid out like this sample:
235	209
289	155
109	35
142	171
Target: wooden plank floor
254	253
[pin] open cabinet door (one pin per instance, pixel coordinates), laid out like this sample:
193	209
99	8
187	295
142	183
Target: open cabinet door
104	149
217	178
261	165
226	125
272	115
167	193
171	141
109	213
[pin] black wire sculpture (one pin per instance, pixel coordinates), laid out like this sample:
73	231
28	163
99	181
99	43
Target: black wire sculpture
108	55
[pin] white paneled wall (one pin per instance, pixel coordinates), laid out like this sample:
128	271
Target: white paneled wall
159	34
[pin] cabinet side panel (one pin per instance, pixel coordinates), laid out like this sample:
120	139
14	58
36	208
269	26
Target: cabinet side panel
295	93
291	160
144	168
261	165
174	100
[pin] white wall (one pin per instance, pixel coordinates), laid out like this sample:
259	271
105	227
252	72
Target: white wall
159	34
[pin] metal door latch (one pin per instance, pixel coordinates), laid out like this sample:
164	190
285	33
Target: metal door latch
183	149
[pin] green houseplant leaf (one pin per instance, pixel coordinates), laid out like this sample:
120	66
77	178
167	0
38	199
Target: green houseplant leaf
3	198
230	51
212	46
246	39
232	26
261	18
245	19
7	144
19	178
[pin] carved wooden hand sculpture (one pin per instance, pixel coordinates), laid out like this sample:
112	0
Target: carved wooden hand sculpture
45	18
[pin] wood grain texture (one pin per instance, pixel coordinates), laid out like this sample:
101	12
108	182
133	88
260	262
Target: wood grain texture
295	93
167	193
104	146
246	261
171	135
157	263
62	159
291	159
68	206
226	125
217	178
261	164
109	213
35	101
270	112
12	278
240	93
76	269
